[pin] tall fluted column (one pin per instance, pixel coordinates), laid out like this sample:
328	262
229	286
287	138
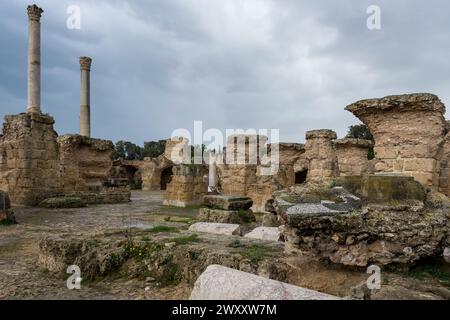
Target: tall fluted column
34	59
85	98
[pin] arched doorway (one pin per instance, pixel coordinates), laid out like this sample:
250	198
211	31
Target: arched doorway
300	176
166	177
134	177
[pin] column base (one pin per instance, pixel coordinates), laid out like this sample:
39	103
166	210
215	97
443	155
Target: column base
33	110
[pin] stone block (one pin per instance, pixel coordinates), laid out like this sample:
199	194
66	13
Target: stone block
225	216
265	233
227	202
221	283
216	228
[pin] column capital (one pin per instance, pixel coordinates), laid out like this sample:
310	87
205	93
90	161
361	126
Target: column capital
85	63
34	13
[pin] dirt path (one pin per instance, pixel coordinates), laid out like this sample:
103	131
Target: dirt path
21	278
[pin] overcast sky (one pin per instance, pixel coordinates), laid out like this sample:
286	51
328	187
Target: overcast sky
288	64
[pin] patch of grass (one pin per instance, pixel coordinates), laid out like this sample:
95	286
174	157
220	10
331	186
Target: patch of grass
429	270
256	253
161	229
184	240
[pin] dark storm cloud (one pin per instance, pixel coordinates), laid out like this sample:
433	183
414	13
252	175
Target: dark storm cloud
287	64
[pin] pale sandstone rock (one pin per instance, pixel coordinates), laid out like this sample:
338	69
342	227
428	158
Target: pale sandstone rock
221	283
265	233
216	228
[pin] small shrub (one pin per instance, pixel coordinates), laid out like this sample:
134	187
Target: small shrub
235	244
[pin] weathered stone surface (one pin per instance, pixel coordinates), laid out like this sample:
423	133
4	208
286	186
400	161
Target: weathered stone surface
221	283
225	216
62	202
227	202
384	188
265	233
320	154
94	257
352	156
408	130
402	232
216	228
29	168
188	185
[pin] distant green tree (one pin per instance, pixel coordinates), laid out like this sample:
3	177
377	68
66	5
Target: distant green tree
133	151
119	150
359	131
154	149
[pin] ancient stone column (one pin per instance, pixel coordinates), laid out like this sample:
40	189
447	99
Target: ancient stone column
212	184
34	59
85	97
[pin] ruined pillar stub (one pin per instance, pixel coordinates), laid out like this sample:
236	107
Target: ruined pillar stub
34	59
85	97
321	154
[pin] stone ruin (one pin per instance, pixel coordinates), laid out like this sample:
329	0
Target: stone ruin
36	164
330	198
336	204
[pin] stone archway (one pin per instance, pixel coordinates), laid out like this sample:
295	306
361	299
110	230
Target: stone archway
134	177
166	177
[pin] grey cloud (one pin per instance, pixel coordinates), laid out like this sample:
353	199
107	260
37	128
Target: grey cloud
160	65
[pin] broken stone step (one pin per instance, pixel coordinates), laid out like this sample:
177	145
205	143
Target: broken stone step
265	233
227	202
222	283
216	228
